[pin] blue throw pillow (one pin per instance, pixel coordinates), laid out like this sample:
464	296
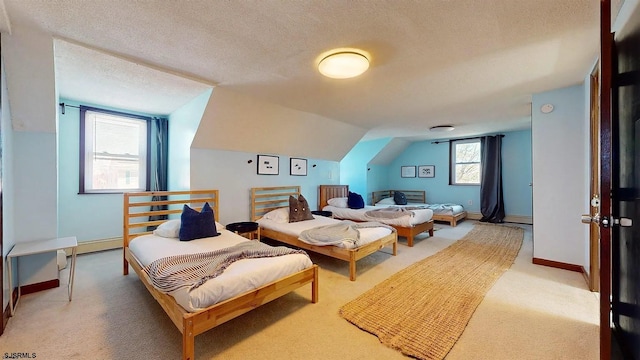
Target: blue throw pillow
400	198
355	201
196	225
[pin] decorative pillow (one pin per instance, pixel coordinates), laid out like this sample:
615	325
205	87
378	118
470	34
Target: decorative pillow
168	229
197	225
299	209
355	201
400	198
280	215
340	202
386	201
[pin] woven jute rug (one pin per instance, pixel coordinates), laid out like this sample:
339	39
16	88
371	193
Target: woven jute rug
423	309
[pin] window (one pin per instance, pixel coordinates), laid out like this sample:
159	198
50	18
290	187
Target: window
465	162
114	149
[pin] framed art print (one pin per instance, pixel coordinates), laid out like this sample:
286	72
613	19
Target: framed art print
407	171
298	167
268	165
426	171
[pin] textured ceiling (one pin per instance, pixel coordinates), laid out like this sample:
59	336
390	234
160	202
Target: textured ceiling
470	63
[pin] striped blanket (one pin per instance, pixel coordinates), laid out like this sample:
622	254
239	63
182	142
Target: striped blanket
192	270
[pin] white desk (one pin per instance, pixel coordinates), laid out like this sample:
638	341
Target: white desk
37	247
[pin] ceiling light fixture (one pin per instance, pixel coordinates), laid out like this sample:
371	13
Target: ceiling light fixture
343	64
441	128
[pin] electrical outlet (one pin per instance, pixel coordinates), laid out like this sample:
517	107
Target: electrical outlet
470	202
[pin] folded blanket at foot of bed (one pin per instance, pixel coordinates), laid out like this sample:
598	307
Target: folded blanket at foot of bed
345	231
192	270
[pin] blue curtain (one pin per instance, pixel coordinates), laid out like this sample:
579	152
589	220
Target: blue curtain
159	162
491	199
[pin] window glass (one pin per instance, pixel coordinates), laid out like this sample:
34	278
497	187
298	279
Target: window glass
465	162
114	152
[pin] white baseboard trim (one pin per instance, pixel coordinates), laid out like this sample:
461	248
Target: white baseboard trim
97	245
518	219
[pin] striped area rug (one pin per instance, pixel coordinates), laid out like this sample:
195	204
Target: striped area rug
423	309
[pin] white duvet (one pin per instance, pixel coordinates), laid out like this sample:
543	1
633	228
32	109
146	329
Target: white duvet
240	277
417	217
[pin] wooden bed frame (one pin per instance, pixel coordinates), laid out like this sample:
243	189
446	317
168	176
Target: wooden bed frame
136	220
265	199
420	197
332	191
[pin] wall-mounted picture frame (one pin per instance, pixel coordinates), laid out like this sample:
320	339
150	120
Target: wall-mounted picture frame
268	165
426	171
408	171
298	167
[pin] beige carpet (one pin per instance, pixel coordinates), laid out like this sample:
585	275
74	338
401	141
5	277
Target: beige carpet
532	312
423	309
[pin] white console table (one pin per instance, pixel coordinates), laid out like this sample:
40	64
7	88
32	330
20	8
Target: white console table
38	247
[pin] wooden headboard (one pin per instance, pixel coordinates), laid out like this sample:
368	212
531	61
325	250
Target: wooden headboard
265	199
329	192
413	196
141	207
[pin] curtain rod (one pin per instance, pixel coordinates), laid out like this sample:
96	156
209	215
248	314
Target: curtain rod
467	138
63	105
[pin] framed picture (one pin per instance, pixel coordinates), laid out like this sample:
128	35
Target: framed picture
426	171
268	165
298	167
408	171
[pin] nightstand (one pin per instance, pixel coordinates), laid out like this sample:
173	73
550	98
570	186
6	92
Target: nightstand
323	213
244	228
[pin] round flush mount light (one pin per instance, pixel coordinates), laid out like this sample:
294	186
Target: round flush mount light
343	64
441	128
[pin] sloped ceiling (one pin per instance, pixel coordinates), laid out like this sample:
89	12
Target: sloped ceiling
473	64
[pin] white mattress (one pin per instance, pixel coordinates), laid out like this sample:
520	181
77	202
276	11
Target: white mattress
240	277
367	235
449	209
418	216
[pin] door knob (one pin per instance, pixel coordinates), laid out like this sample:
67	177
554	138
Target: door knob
587	219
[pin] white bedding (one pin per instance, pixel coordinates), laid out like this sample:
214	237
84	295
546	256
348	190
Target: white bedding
449	209
418	217
367	235
241	276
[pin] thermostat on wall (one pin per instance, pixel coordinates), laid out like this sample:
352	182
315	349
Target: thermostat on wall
546	108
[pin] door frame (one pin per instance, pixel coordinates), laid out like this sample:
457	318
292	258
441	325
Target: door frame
594	228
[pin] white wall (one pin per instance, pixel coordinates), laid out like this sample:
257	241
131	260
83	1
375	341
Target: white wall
559	170
233	174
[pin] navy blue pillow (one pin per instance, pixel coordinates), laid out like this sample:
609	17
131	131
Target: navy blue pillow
400	198
355	201
197	225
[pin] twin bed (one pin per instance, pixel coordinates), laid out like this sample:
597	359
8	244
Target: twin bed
451	213
410	225
269	207
243	286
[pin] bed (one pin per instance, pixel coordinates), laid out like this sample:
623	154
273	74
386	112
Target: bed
140	211
409	227
451	213
266	200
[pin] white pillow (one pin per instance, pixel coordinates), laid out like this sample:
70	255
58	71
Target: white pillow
168	229
386	201
338	202
280	215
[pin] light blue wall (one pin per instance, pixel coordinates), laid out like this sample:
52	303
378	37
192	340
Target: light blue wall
183	125
87	216
234	173
516	166
353	167
377	179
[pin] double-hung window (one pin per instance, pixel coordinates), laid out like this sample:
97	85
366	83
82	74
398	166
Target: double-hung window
466	166
114	151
